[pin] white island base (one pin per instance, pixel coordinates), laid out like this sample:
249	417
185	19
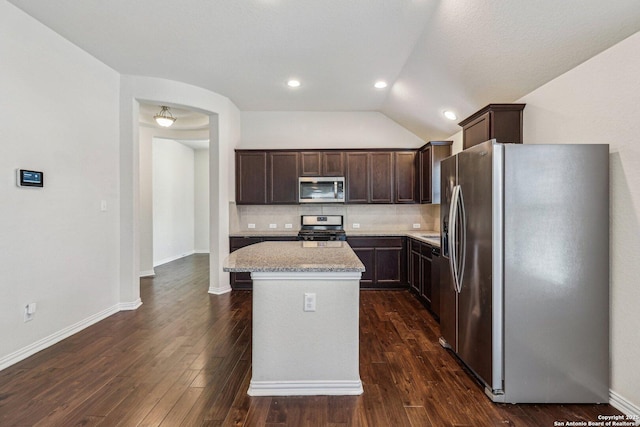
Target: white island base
298	352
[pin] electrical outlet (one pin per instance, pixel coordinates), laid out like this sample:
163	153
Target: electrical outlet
251	225
309	302
288	226
355	225
103	205
273	225
416	225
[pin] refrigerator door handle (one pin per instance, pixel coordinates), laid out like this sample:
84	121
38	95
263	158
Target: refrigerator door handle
453	213
463	239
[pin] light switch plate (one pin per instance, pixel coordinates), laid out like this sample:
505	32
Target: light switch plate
416	225
273	225
355	225
288	226
251	226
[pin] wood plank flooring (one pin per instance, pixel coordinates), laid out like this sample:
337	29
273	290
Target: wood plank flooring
184	359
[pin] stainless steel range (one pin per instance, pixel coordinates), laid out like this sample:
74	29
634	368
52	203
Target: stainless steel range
321	227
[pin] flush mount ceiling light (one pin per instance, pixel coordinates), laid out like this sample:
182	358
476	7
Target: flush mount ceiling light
450	115
164	118
293	83
380	84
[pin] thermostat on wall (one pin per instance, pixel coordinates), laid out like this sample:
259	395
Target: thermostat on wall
28	178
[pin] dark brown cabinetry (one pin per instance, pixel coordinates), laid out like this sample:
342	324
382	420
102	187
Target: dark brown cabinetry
405	176
282	185
251	177
384	259
424	274
242	281
321	163
500	121
428	167
369	177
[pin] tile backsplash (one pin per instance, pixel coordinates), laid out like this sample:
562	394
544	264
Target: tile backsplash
370	217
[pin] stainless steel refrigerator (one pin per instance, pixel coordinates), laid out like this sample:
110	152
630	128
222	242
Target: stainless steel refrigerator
525	230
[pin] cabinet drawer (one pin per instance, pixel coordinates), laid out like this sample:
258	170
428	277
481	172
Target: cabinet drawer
368	242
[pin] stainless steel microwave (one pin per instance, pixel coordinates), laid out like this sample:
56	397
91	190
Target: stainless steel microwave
322	189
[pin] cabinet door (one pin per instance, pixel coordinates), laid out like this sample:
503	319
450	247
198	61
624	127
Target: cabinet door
425	289
251	178
283	177
424	165
388	261
405	177
414	272
381	177
357	177
367	257
435	285
310	163
333	163
477	131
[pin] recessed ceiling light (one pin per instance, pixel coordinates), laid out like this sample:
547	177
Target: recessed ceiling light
450	115
293	83
380	84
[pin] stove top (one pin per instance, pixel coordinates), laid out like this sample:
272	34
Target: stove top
321	227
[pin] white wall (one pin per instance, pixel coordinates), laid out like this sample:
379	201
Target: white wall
173	200
599	102
305	129
201	201
58	114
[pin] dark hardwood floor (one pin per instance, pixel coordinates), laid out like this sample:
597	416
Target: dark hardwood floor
184	359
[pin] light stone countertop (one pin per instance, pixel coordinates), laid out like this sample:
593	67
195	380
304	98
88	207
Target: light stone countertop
415	234
296	256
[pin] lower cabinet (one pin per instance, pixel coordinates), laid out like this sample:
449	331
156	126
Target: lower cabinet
384	259
424	274
242	281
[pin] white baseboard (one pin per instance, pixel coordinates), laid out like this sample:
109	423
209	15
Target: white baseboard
56	337
219	291
201	251
148	273
172	258
623	405
126	306
305	388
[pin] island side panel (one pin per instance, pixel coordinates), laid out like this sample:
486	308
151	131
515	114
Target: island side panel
305	353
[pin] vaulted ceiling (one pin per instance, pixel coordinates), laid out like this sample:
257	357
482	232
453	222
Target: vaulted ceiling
435	54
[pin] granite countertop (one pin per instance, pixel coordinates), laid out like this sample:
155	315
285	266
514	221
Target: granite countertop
296	256
414	234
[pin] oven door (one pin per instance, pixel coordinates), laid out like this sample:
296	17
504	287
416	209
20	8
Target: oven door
321	190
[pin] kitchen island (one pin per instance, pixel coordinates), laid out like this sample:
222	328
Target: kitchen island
305	337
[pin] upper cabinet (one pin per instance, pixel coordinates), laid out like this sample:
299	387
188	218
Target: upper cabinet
405	176
428	167
266	177
321	163
251	177
500	121
369	177
282	184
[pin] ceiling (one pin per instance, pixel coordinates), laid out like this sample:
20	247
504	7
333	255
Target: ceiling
435	54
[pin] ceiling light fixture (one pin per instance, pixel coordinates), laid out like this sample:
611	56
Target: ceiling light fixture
450	115
164	118
293	83
380	84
